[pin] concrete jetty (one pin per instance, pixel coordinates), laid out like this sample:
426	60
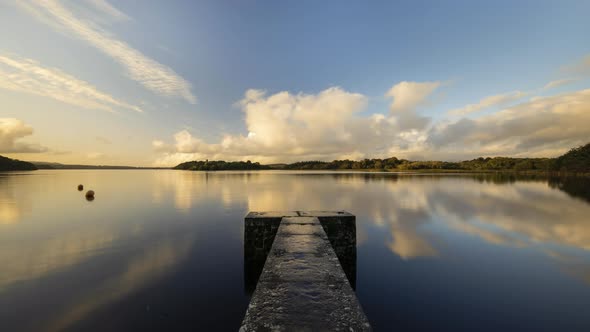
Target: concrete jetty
302	285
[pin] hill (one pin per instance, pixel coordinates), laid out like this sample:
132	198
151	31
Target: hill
7	164
48	165
576	160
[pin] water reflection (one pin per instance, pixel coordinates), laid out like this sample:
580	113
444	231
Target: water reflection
74	265
11	206
575	187
496	208
499	209
137	274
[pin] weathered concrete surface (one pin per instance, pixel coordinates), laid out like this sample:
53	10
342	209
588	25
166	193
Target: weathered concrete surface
260	229
303	286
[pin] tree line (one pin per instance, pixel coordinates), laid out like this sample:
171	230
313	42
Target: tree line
576	160
220	165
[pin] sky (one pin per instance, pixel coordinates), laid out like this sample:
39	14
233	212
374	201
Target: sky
156	83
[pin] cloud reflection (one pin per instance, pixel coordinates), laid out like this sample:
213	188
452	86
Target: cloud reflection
146	268
11	208
501	212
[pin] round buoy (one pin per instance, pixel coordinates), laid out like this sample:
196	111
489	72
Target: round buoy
90	193
80	187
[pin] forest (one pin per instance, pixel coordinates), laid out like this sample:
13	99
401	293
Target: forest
577	160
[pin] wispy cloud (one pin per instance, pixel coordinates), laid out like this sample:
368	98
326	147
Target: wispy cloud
11	131
490	101
29	76
558	83
154	76
543	126
578	68
108	9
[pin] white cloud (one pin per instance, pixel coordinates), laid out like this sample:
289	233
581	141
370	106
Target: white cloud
490	101
28	76
558	83
11	131
544	126
286	127
160	146
108	9
408	97
289	127
154	76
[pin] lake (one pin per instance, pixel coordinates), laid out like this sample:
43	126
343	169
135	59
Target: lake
163	249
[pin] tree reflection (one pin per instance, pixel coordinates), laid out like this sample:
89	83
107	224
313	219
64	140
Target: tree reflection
578	187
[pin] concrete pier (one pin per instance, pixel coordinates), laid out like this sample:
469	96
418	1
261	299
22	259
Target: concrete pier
302	285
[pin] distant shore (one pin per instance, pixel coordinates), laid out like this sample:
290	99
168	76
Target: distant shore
575	161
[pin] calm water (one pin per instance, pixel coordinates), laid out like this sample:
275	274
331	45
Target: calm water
164	249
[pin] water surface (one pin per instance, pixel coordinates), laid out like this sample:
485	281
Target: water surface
163	250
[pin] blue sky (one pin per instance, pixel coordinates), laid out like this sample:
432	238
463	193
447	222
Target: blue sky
168	80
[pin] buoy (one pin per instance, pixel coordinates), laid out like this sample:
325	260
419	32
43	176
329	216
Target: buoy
90	193
80	187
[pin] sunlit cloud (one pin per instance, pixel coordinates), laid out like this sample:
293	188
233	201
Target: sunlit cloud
29	76
11	131
153	75
407	98
490	101
153	264
12	210
543	126
558	83
288	127
108	9
578	68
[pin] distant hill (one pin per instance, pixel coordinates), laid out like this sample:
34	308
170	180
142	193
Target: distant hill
7	164
48	165
576	160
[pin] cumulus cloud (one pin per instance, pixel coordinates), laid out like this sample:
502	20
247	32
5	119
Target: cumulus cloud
543	126
490	101
29	76
160	146
288	127
11	131
407	98
154	76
